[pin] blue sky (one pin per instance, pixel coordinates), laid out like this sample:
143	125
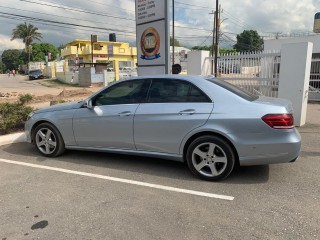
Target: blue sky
193	21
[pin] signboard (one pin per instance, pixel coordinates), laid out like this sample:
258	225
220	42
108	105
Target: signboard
152	28
94	38
110	50
150	10
316	26
151	44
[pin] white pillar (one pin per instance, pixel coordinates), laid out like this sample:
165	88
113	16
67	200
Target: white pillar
197	63
294	77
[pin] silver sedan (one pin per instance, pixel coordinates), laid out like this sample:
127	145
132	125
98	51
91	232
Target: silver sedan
209	124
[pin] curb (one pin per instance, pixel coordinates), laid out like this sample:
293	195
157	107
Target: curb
13	138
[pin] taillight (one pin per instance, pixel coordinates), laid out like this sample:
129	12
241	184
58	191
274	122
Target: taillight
279	121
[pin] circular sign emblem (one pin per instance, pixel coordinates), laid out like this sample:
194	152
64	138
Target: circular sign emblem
150	44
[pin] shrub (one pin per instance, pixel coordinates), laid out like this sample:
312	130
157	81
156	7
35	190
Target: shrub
25	98
13	115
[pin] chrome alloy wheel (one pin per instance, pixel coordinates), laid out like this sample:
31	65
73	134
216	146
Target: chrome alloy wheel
209	159
46	141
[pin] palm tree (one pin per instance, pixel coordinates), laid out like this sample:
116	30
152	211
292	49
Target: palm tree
28	33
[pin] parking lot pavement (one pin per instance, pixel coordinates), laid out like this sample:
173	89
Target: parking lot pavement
270	202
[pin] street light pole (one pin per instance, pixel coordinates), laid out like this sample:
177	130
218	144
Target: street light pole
217	38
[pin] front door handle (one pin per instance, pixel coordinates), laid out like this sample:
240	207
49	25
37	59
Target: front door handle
124	114
187	112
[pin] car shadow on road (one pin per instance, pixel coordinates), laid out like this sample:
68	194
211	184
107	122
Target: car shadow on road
249	175
137	164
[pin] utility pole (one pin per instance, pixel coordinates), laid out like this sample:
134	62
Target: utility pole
213	40
172	33
218	30
217	39
92	49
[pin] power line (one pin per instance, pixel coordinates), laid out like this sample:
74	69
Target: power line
57	22
65	7
58	16
187	4
191	28
206	39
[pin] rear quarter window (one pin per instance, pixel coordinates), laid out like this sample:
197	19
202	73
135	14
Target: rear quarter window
235	90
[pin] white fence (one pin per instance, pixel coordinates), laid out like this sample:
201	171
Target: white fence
314	84
255	72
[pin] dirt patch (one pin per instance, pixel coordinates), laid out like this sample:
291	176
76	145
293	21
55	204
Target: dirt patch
63	95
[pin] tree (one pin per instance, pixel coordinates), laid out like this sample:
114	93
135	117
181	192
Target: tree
28	33
2	68
227	51
175	42
205	48
11	58
40	50
221	50
249	40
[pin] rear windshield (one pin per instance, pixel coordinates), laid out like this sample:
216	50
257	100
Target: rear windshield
234	89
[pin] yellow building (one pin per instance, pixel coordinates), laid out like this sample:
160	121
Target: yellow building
123	55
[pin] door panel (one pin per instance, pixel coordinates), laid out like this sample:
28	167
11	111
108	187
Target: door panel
161	127
109	126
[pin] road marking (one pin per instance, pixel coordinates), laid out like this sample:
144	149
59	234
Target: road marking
122	180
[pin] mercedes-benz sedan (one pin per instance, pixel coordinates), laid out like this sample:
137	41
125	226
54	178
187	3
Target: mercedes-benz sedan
209	124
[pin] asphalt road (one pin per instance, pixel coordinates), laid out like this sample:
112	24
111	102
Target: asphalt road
270	202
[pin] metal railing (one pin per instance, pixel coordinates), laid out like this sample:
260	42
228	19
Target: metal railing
256	72
314	83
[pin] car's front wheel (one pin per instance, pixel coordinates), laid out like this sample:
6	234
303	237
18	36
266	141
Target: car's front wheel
210	158
48	140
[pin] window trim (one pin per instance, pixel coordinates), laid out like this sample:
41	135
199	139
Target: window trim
93	98
178	80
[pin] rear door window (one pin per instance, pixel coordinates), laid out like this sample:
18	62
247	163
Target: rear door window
166	90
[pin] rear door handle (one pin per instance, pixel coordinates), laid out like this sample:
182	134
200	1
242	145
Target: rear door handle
124	114
187	112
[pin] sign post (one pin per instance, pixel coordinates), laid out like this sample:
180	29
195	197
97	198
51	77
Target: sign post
153	44
316	26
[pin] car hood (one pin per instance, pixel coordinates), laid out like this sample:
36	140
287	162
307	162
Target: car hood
275	102
60	107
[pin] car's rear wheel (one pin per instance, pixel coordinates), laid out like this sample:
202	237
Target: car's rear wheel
210	158
48	140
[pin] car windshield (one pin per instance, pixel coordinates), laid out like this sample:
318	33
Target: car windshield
234	89
35	72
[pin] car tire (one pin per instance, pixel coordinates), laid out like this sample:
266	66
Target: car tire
48	140
210	158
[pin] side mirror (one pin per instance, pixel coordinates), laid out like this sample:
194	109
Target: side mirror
88	104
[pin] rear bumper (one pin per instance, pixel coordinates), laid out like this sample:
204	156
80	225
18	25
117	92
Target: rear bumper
286	148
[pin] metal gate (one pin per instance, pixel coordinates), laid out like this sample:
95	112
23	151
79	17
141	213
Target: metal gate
314	84
256	72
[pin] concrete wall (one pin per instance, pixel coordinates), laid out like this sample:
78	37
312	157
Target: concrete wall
96	77
85	77
294	77
36	65
109	77
66	77
275	44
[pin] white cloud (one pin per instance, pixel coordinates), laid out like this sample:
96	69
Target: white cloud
6	43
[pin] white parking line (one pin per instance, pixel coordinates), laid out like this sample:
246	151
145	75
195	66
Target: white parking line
122	180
